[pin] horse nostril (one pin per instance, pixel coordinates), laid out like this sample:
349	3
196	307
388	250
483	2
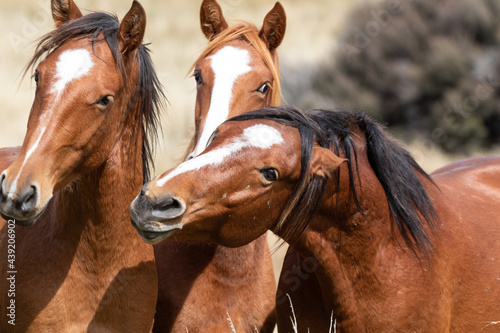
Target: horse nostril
2	178
29	200
168	207
166	204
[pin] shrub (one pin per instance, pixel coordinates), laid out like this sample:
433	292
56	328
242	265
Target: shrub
424	67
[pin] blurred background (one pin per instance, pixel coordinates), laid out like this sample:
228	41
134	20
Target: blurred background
427	68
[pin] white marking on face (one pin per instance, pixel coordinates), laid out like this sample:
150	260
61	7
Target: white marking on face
13	187
257	136
72	65
228	64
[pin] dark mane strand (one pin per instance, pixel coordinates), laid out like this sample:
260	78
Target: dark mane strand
397	172
152	101
148	94
394	167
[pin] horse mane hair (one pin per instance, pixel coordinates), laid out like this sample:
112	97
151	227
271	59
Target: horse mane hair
248	32
149	90
393	166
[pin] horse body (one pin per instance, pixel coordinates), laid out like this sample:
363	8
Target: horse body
469	248
384	288
229	73
354	263
78	264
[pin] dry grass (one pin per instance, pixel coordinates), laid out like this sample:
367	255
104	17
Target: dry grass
293	319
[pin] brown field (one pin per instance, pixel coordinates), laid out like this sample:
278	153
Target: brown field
173	29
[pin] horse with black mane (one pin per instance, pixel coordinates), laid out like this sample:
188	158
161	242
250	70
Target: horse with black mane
388	248
237	72
87	151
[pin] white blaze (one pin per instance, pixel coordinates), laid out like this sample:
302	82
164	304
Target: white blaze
257	136
72	65
228	64
28	154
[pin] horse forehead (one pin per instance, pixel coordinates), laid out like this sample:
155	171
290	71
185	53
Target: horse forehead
257	136
261	136
230	62
71	64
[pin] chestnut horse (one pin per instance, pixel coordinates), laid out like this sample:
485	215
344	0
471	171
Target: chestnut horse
377	244
236	73
78	264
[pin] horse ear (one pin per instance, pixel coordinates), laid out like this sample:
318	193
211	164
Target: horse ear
324	162
211	19
64	11
132	28
274	27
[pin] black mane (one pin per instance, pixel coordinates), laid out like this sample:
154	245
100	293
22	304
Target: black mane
149	89
394	167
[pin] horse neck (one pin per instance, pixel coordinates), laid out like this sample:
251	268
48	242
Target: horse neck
240	263
346	245
98	202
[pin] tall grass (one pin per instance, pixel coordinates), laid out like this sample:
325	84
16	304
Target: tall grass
293	319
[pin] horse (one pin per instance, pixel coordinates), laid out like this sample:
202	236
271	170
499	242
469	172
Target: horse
75	263
236	73
376	244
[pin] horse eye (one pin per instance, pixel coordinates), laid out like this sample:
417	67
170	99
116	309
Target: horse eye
36	77
263	89
198	78
270	174
104	102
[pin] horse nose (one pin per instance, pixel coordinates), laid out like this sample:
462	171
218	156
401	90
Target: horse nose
147	207
168	207
24	203
28	199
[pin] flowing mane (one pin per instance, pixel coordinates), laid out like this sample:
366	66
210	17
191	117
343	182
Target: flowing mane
394	167
149	89
249	32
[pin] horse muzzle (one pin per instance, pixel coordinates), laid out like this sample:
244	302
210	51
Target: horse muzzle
156	219
21	206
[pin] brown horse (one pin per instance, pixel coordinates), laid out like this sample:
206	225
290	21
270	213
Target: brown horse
78	265
377	244
236	73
